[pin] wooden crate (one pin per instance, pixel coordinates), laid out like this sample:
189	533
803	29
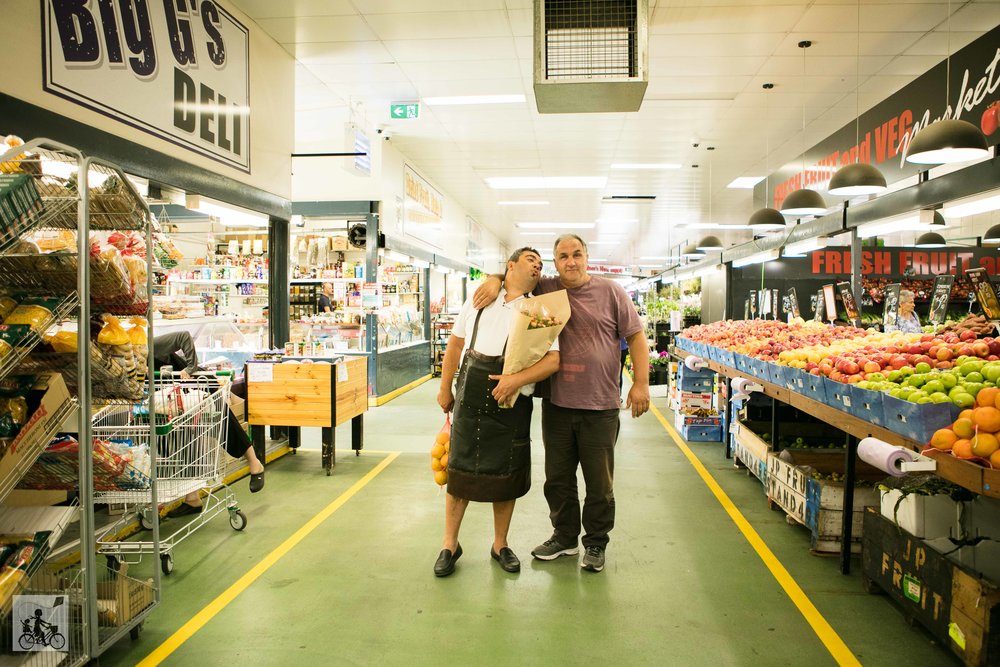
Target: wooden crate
302	394
751	451
819	504
958	606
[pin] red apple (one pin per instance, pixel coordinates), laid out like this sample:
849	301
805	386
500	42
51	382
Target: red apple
944	354
872	367
967	335
980	349
943	365
965	350
899	362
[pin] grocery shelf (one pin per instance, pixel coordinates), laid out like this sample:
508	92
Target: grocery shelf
217	281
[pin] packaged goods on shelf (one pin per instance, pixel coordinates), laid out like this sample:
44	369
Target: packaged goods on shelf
117	466
19	203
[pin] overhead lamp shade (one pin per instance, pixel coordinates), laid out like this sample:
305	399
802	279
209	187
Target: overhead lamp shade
939	220
692	251
766	218
947	141
992	235
803	202
858	178
930	240
710	244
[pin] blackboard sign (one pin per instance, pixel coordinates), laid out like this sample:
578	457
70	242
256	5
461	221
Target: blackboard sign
940	297
793	302
753	304
985	293
820	309
890	308
850	306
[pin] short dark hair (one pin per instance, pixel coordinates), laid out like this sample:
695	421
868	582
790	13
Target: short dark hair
566	237
516	255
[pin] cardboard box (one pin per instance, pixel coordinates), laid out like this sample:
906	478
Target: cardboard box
119	601
685	399
926	517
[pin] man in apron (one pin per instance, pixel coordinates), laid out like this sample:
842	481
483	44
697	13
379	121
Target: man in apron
490	458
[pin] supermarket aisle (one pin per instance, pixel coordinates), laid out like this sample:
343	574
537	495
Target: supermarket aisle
682	585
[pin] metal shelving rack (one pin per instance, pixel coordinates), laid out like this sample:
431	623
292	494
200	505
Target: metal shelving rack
80	194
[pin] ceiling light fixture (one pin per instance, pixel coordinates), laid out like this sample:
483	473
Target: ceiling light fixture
766	218
546	182
804	201
473	99
974	207
692	252
230	217
992	235
531	202
947	140
555	225
745	182
930	240
710	244
758	258
802	248
859	178
659	166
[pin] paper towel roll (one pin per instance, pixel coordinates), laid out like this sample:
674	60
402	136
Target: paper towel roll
884	456
695	363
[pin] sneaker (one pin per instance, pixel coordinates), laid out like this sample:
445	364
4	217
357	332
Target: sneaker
593	560
550	550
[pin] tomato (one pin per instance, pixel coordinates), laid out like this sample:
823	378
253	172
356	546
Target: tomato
989	119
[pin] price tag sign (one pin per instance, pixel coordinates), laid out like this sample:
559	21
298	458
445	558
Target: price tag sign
765	303
850	305
746	309
890	307
820	306
753	304
829	303
940	298
985	293
793	302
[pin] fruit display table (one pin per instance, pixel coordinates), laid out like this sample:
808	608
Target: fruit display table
301	394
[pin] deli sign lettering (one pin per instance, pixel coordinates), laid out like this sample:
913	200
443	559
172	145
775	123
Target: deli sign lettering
177	69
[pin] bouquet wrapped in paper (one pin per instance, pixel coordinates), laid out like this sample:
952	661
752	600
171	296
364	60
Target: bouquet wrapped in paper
538	322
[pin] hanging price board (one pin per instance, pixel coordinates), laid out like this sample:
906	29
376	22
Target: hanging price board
765	303
940	297
829	303
850	305
753	304
985	293
820	306
890	307
746	309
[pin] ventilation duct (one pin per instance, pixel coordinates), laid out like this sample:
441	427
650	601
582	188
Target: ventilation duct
591	55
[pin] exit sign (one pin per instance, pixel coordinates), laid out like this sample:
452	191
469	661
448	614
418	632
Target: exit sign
404	110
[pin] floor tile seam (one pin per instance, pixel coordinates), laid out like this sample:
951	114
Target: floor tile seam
821	627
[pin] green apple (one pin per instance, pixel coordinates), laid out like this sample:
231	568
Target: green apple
991	371
876	377
906	371
895	376
916	396
933	386
973	388
925	399
940	397
963	400
974	376
971	367
948	380
922	367
896	393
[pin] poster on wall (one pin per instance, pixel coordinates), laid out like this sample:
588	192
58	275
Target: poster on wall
985	293
890	308
179	71
423	209
940	296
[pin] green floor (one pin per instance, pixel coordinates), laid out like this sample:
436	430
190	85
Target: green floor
682	585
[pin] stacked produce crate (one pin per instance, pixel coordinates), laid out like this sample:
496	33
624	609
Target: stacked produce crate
691	399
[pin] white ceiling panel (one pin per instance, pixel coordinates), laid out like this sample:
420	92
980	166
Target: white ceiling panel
359	73
448	50
910	65
318	29
424	6
472	87
462	69
522	22
335	53
439	25
907	17
265	9
714	45
734	19
700	67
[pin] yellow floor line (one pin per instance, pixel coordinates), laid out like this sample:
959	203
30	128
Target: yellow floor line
831	640
198	621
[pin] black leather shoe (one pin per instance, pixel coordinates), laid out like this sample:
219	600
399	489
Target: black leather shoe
256	482
508	561
185	509
445	563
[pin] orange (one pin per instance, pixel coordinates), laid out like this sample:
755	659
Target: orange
447	446
444	437
943	438
987	397
986	419
984	444
444	461
963	427
436	464
962	449
437	451
995	459
965	414
441	477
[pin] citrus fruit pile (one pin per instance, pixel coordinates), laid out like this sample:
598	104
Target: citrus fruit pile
976	431
439	457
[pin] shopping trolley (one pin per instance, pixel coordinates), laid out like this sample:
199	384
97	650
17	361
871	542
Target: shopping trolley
189	434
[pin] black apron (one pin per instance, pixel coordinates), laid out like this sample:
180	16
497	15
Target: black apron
490	455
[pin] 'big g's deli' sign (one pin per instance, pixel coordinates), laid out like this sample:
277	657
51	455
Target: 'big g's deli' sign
178	69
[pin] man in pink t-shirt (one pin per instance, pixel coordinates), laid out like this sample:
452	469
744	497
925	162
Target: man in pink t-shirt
580	419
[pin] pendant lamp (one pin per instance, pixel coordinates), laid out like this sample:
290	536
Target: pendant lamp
859	178
804	201
992	235
930	240
692	252
948	140
766	218
710	244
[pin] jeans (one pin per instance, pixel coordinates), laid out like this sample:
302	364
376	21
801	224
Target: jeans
585	439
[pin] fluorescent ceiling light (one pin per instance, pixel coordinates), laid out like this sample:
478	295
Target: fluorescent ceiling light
545	182
398	257
972	207
537	233
713	225
759	258
472	99
230	217
420	263
555	225
654	258
745	182
603	242
646	165
530	202
442	269
607	221
882	228
802	247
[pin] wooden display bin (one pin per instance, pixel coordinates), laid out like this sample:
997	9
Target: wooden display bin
297	395
818	504
750	450
957	605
